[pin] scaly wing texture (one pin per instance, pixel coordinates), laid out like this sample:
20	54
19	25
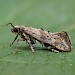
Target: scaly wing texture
52	15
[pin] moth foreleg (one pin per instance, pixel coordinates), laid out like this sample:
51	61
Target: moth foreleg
18	42
17	45
14	40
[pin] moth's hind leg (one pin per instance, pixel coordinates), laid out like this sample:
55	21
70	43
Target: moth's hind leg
49	47
52	49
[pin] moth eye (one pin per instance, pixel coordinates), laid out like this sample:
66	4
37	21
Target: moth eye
15	30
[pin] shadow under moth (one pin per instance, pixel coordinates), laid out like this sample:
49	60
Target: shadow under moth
58	41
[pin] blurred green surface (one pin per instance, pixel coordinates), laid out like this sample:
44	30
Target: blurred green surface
52	15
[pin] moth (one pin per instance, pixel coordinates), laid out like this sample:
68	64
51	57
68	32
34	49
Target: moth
58	41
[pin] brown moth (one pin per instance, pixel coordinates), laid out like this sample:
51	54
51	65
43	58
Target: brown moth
56	42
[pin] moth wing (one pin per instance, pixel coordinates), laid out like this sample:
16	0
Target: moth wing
63	42
60	40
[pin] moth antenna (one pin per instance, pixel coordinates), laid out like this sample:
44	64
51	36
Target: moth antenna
11	25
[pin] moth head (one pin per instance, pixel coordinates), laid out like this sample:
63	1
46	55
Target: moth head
15	29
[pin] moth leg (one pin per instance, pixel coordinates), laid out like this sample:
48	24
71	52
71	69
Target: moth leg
33	41
14	40
26	37
56	51
18	42
49	47
52	49
15	51
30	45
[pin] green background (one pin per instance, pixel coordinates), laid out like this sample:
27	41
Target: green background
52	15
